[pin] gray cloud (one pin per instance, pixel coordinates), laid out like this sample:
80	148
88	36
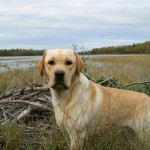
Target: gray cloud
54	24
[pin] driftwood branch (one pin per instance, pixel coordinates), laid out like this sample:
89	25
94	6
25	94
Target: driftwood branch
106	80
28	89
23	79
14	116
42	89
29	95
34	104
145	82
89	77
4	114
23	114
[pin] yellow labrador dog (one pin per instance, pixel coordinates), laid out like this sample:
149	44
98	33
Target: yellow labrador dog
79	104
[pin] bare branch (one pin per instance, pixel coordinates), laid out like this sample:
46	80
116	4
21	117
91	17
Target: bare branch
34	104
8	86
89	77
106	80
29	95
23	114
24	79
145	82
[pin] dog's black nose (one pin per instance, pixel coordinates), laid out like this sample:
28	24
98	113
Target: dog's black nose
59	74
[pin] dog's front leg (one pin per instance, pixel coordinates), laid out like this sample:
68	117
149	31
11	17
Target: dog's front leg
77	140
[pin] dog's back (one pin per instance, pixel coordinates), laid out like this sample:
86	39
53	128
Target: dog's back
126	108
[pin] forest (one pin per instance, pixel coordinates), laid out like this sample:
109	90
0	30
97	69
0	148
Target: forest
20	52
139	48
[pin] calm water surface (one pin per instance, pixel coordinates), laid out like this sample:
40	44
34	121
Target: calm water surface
20	62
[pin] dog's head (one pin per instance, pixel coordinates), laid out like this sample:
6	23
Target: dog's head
60	67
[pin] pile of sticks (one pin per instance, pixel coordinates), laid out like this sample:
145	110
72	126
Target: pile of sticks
29	107
17	104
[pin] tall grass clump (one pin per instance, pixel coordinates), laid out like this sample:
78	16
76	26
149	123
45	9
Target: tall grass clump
12	137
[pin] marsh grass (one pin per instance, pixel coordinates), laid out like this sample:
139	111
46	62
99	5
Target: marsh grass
110	139
10	77
126	68
12	137
103	138
15	137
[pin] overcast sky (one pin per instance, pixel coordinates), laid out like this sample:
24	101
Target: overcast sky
46	24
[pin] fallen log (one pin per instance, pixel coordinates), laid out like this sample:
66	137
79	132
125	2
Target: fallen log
34	104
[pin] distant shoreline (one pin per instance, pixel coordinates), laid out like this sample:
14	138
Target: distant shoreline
138	48
81	54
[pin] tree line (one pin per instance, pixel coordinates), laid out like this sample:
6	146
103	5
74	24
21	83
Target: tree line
20	52
139	48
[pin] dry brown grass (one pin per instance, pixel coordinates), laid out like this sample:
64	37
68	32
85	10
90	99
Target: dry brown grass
10	77
127	68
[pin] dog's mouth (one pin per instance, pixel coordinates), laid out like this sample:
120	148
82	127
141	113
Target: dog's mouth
60	85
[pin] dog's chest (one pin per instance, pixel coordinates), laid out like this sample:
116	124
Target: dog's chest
73	117
59	116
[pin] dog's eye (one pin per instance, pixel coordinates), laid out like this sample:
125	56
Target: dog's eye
51	62
68	63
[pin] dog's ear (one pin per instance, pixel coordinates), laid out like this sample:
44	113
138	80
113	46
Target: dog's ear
40	65
79	63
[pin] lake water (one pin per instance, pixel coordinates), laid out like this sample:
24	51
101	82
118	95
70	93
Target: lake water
19	62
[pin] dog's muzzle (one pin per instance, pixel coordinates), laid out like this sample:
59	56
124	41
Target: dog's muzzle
59	80
59	76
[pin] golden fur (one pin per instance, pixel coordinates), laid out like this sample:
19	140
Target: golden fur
79	104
